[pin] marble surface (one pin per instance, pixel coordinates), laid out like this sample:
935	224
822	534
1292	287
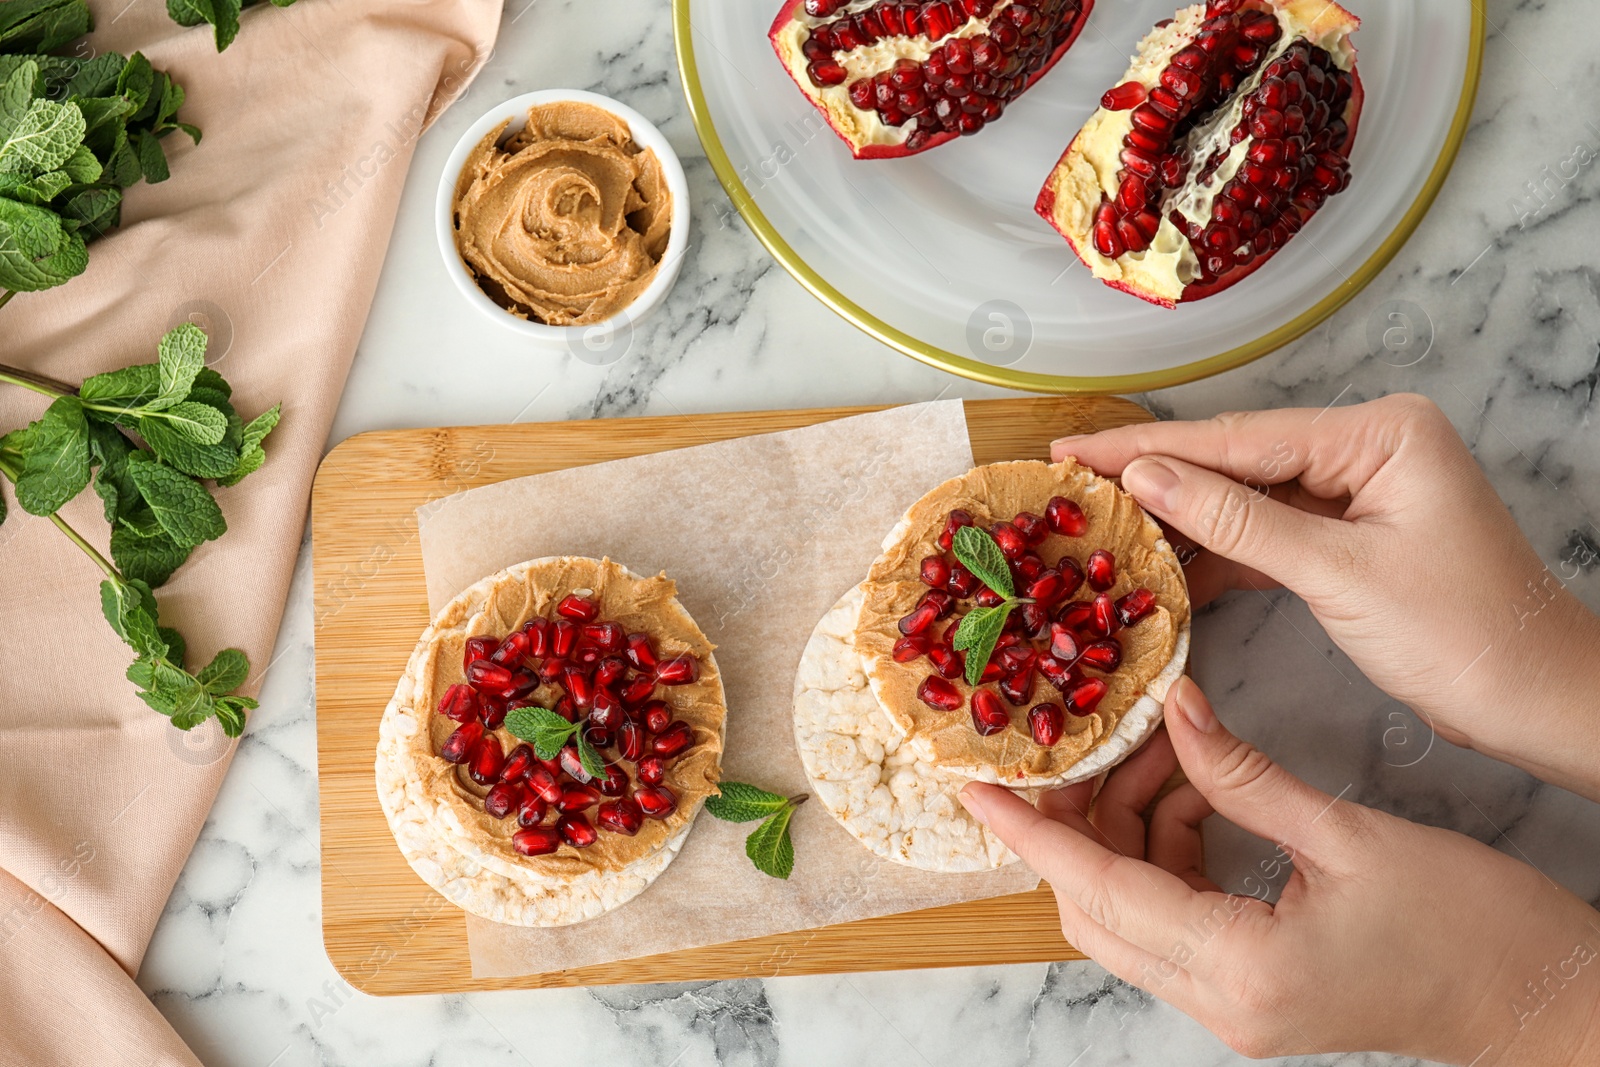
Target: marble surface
1503	279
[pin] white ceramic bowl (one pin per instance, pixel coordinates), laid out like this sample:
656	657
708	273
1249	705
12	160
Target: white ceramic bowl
646	135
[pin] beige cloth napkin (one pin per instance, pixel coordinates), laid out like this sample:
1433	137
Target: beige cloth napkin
272	231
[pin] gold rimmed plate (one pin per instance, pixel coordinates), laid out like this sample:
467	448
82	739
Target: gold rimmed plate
941	256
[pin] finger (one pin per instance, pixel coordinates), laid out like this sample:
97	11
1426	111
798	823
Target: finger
1120	807
1140	903
1175	842
1134	965
1069	806
1210	575
1333	452
1250	528
1245	786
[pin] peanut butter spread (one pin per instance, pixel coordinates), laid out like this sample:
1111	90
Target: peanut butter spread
993	494
566	222
639	604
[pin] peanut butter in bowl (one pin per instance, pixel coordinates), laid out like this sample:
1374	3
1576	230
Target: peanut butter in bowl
567	221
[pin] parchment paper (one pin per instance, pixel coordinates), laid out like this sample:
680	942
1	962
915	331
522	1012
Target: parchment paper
762	535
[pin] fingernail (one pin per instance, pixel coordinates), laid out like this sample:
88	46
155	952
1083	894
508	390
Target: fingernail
1061	447
969	800
1151	482
1194	706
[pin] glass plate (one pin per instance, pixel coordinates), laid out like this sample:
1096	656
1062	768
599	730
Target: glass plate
941	256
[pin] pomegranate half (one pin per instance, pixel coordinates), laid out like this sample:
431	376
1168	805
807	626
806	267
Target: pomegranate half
894	79
1231	128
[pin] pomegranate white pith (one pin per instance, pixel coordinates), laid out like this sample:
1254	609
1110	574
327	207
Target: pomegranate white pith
1227	133
893	79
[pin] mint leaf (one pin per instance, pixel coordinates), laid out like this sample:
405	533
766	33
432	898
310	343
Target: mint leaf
45	138
739	802
223	15
36	251
55	458
128	387
769	846
977	634
182	352
226	672
230	713
149	559
256	430
192	706
982	556
543	729
123	606
181	505
200	423
202	461
108	453
594	764
177	647
250	461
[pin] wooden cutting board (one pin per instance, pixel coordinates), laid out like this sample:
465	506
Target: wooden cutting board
385	930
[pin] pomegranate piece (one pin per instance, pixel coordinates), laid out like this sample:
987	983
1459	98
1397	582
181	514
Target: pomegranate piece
1048	589
656	716
531	811
1045	723
586	655
1018	687
572	765
1034	527
1076	615
494	709
673	741
632	742
1058	674
962	583
622	816
912	647
1034	619
1101	569
1065	517
577	797
638	690
919	74
607	712
1017	658
578	608
613	783
679	670
477	648
922	616
563	707
542	784
938	694
503	799
1103	655
551	669
956	519
1009	538
460	703
988	598
578	687
1135	605
1064	643
609	671
538	631
536	841
575	830
652	770
563	638
1028	567
513	650
1103	621
989	716
935	571
947	661
642	652
459	745
1071	572
1244	129
1084	697
607	636
486	760
518	764
655	801
485	676
596	736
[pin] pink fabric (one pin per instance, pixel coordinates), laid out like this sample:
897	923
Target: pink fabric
274	229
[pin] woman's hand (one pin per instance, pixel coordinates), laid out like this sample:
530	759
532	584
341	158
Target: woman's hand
1379	518
1387	936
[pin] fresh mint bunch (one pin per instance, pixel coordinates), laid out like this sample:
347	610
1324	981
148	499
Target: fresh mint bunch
221	15
74	133
980	628
769	845
146	437
547	732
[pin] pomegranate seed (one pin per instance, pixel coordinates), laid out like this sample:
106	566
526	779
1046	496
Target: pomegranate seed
631	741
1103	655
503	799
992	672
938	694
656	716
575	830
607	713
1057	673
536	841
656	801
483	766
672	741
532	810
947	661
1009	538
957	519
679	670
912	647
1034	527
638	690
1045	722
538	631
563	638
1134	606
563	707
642	651
1101	570
577	797
550	670
1035	619
1086	696
586	656
609	670
613	783
1047	589
1121	98
578	687
988	715
1063	643
651	770
542	783
518	764
988	598
477	648
513	650
578	608
460	702
572	765
621	816
1017	658
484	675
935	571
963	583
608	636
921	617
596	736
1018	687
1028	566
1103	621
1076	615
459	745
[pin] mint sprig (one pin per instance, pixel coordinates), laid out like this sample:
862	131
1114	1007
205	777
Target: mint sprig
769	846
548	733
980	629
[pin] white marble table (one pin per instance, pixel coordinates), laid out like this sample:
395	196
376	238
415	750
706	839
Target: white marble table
1511	285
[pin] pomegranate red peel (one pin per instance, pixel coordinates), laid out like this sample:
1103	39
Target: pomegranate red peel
1228	132
894	79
